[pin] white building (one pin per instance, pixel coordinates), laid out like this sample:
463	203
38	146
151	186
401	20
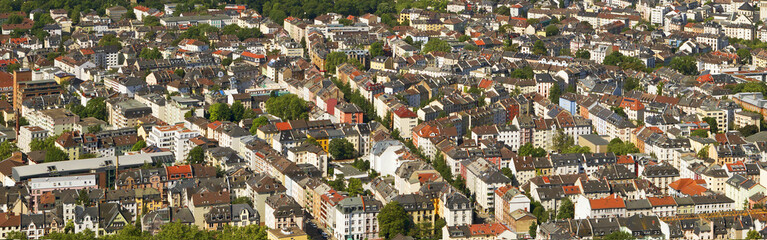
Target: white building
29	133
175	137
482	179
356	218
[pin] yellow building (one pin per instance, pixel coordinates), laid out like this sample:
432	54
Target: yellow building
420	208
293	233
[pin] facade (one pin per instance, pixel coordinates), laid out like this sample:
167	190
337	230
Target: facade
356	218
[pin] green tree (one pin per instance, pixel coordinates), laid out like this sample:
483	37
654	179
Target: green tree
355	187
226	61
16	235
686	65
6	149
220	112
551	30
631	84
582	54
566	210
287	107
619	111
525	72
533	230
110	40
619	147
140	144
712	124
753	234
179	72
376	49
528	150
554	93
618	235
700	133
55	155
257	123
196	155
562	141
744	56
340	148
436	45
703	153
334	59
243	200
539	48
254	231
393	220
14	19
238	110
151	21
180	231
626	62
748	130
150	53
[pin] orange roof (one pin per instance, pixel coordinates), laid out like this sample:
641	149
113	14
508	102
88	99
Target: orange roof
611	201
661	201
632	104
486	229
283	126
705	78
485	83
688	186
181	169
404	112
625	159
252	55
215	125
571	190
141	8
87	51
479	42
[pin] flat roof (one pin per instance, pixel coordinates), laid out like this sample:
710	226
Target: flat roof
22	173
595	139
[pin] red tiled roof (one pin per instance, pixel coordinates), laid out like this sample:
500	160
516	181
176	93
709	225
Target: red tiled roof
283	126
688	186
252	55
141	8
661	201
404	112
486	229
611	201
181	169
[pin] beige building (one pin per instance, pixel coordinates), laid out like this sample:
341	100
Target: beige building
597	143
126	112
54	121
716	113
744	118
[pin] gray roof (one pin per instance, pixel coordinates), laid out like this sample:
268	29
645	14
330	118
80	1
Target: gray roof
22	173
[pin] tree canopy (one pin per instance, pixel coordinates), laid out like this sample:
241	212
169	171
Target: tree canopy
436	45
393	220
686	65
619	147
340	148
287	107
626	62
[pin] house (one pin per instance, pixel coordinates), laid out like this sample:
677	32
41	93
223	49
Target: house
282	211
356	218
